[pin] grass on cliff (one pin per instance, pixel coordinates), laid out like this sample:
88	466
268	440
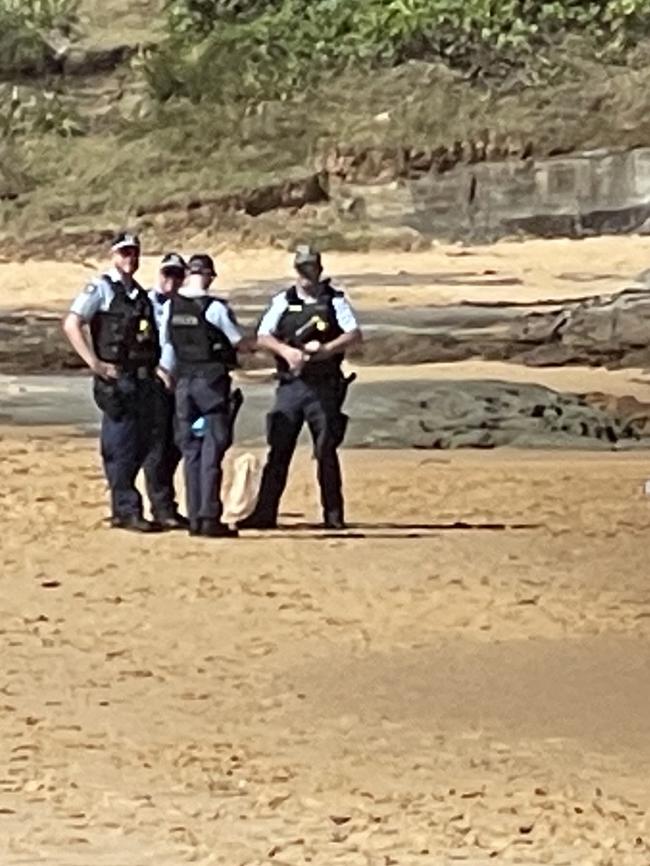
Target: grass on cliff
136	151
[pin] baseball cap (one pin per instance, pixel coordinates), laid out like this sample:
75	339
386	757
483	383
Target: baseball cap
201	264
125	239
173	262
306	255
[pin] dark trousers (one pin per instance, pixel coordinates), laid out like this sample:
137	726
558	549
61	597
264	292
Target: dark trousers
128	410
297	402
203	395
163	457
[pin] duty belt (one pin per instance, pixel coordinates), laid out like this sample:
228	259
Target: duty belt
140	371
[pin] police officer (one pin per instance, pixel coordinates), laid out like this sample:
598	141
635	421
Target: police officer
308	328
120	345
164	455
200	337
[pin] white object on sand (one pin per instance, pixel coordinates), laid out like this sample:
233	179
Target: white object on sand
241	498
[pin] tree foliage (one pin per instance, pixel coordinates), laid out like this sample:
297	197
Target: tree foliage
26	25
249	48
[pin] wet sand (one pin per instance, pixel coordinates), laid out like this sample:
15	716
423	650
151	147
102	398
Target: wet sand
413	692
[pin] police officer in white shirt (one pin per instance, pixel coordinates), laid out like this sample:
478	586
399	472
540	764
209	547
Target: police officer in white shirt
111	326
200	339
164	455
308	328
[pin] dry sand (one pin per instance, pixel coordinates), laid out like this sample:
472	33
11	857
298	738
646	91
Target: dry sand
412	693
506	271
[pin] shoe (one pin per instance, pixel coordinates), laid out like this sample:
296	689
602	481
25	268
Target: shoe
194	527
135	524
254	522
173	521
334	523
215	529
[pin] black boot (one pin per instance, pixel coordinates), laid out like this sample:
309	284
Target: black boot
173	521
135	523
255	522
334	520
216	529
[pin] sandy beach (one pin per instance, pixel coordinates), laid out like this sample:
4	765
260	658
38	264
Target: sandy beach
416	691
461	677
525	271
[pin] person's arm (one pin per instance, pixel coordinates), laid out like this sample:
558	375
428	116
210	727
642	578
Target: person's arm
351	336
75	327
340	345
295	358
167	363
221	316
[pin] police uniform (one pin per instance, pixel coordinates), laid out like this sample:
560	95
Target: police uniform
199	335
315	395
123	332
164	455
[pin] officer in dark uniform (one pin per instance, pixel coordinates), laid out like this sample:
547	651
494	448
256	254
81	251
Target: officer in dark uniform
164	455
200	339
120	346
308	328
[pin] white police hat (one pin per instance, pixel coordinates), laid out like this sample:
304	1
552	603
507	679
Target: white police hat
124	240
173	262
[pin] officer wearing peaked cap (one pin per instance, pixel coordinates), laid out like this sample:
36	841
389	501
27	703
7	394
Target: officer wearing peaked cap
164	455
200	339
308	328
111	326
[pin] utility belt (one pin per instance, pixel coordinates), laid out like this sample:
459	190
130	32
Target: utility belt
137	371
123	396
206	370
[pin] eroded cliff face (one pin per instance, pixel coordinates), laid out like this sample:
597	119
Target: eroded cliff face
479	191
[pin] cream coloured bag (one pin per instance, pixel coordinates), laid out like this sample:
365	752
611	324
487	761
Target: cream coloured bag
241	498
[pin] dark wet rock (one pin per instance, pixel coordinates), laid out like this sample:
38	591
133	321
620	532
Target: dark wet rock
394	414
612	331
487	414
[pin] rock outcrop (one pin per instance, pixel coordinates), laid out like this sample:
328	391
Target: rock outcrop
487	414
611	331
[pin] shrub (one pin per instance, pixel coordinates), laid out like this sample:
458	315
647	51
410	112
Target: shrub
250	49
25	26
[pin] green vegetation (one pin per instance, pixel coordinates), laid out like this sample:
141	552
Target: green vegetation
227	94
24	29
247	49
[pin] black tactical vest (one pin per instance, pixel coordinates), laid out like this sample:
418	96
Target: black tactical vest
126	333
198	344
303	322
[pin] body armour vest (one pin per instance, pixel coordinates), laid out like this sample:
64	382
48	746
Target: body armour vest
198	344
302	322
125	334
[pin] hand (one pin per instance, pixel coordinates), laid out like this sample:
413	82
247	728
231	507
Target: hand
166	378
295	358
317	351
104	370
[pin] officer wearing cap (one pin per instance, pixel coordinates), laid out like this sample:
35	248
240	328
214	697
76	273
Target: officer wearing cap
164	455
200	339
308	328
111	327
